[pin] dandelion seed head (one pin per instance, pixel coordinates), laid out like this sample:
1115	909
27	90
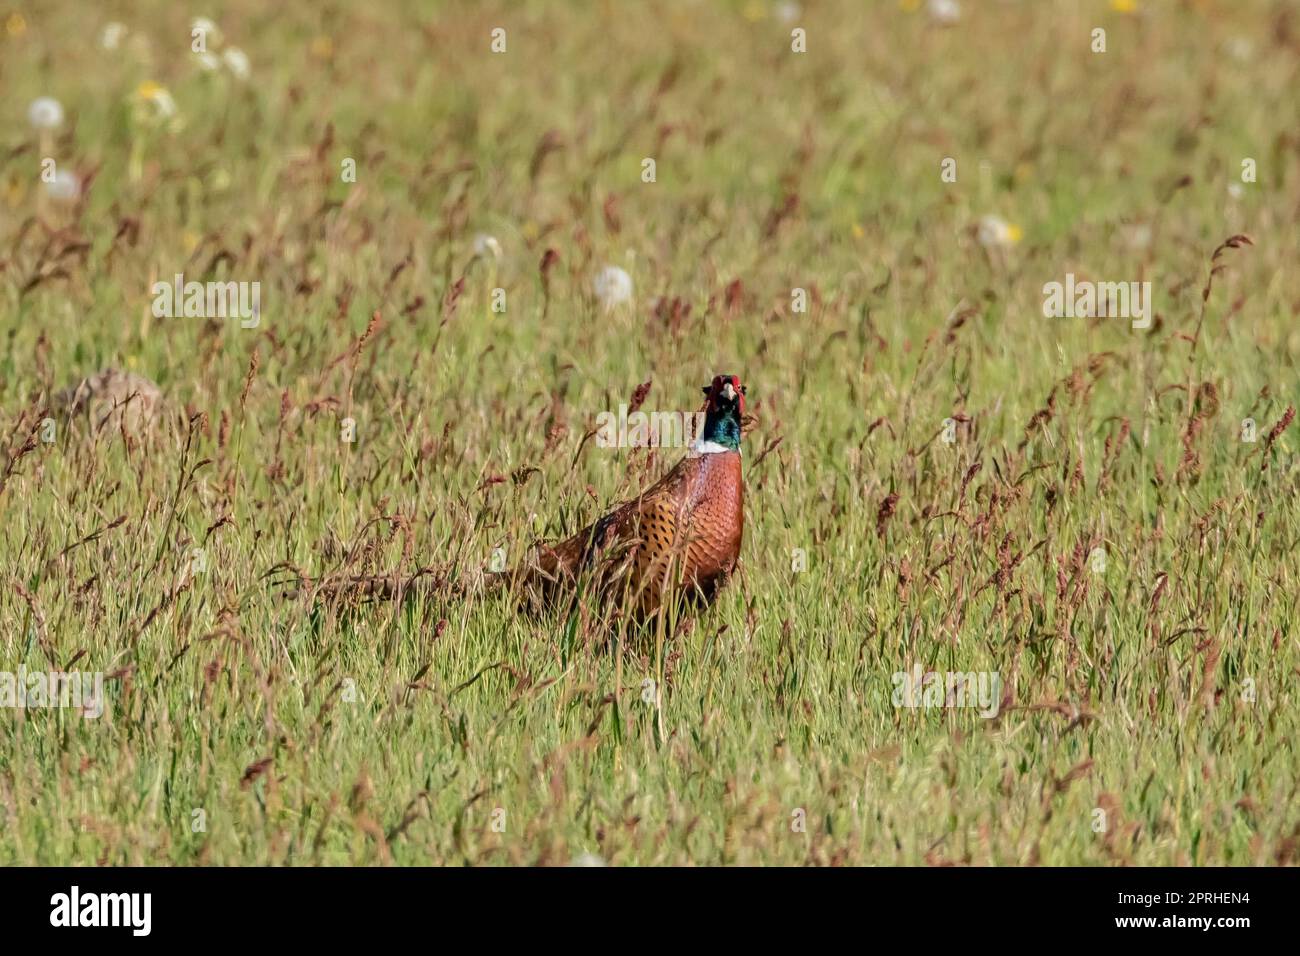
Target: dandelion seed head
612	286
45	113
1137	236
65	187
207	28
112	36
237	62
945	12
485	245
1240	49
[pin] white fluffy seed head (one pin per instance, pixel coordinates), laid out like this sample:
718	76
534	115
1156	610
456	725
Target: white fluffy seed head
237	62
45	113
485	245
211	32
164	103
1137	236
65	187
612	286
945	12
112	36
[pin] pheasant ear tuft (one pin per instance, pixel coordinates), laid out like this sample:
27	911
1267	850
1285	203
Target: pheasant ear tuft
707	390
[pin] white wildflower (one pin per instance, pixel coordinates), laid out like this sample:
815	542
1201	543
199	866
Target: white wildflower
995	233
158	98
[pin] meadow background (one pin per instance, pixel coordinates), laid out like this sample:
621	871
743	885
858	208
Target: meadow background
1150	712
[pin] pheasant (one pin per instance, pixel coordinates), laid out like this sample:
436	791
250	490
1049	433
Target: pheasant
678	539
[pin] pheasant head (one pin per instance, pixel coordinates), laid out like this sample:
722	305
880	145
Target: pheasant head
724	408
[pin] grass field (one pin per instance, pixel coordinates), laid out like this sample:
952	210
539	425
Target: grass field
1092	523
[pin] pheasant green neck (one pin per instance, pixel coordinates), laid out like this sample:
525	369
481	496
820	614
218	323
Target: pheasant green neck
723	428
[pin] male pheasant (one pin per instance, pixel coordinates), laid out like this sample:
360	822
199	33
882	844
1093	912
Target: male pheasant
680	539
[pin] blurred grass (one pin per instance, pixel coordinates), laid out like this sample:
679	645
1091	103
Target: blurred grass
779	699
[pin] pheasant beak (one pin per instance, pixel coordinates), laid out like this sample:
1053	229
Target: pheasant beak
729	392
